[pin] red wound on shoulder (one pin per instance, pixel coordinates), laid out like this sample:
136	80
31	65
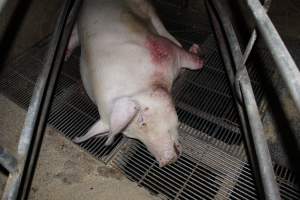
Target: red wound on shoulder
160	49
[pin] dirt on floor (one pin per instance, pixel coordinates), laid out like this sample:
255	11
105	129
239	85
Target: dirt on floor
64	171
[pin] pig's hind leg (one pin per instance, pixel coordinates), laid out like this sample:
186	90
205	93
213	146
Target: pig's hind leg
146	9
73	43
160	28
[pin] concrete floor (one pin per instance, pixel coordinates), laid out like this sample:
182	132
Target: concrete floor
11	122
64	171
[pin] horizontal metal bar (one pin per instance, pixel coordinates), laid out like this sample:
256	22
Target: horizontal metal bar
255	141
7	160
284	61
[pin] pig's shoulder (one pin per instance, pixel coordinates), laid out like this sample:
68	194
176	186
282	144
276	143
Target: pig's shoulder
161	50
140	7
135	24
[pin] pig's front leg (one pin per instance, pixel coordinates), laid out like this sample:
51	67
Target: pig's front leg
99	128
163	51
192	59
73	43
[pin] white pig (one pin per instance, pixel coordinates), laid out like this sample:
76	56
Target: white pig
128	64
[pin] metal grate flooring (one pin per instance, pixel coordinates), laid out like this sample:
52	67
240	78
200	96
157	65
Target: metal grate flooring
213	164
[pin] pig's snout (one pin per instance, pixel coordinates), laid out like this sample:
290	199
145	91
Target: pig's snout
170	156
178	149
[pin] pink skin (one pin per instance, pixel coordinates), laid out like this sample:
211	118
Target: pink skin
159	136
163	51
68	54
195	49
168	58
191	59
167	156
73	43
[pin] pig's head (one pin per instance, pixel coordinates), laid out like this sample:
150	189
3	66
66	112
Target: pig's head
155	124
148	116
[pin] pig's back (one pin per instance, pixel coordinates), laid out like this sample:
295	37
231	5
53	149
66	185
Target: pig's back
111	22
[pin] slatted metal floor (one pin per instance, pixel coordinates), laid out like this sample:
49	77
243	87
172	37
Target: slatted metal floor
213	165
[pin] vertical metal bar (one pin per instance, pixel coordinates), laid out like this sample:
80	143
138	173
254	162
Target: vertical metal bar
32	158
2	5
30	137
267	4
255	141
285	63
264	161
8	161
247	52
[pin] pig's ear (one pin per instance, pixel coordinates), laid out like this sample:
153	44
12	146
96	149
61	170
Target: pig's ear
98	128
123	111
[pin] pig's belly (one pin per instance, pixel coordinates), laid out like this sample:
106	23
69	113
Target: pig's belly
111	22
111	73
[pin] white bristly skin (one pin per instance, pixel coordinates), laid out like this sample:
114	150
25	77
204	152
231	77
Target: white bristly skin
128	75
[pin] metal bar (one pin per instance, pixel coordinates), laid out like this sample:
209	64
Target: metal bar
7	160
2	5
267	174
285	63
227	62
65	34
248	50
267	4
31	135
256	142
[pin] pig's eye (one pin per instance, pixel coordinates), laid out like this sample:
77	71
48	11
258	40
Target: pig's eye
142	125
140	118
141	121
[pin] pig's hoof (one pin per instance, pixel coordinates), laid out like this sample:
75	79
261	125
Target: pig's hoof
67	55
195	49
109	141
77	140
